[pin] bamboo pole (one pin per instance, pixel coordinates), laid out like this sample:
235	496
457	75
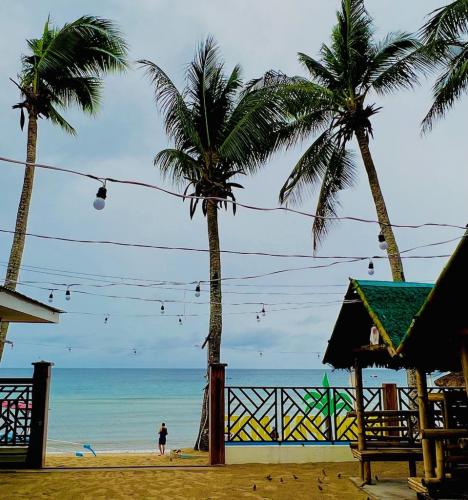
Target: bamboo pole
424	422
464	361
365	465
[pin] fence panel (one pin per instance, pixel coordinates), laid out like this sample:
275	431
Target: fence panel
15	411
306	414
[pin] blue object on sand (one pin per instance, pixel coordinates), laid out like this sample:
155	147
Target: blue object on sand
89	448
79	454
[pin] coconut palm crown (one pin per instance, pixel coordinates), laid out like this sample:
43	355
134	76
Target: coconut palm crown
335	104
64	67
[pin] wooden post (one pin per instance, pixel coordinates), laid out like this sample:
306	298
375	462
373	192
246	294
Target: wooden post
365	465
39	415
216	414
464	361
390	398
423	406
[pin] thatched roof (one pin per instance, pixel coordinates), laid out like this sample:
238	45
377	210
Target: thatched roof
434	339
390	306
451	380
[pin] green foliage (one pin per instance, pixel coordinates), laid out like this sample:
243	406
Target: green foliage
332	103
219	127
324	404
445	38
65	65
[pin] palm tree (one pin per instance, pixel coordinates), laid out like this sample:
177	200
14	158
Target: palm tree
220	130
444	36
333	104
63	67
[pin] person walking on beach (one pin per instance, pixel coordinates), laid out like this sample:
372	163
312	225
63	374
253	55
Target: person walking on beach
162	439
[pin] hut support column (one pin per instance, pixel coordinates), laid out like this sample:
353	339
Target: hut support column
421	383
464	361
366	475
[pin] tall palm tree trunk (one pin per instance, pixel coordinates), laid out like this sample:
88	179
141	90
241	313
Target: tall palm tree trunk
216	317
393	251
17	247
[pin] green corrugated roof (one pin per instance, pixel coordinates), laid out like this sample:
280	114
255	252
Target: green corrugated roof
392	305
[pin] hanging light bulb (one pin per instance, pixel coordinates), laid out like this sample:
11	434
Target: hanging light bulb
68	294
197	290
383	245
370	268
100	200
263	310
162	308
258	318
106	319
51	297
180	321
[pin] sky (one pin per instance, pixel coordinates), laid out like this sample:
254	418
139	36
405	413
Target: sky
423	179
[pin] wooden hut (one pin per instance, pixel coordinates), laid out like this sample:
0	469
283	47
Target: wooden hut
438	340
373	321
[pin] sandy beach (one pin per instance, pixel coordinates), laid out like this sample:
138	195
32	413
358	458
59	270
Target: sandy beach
320	480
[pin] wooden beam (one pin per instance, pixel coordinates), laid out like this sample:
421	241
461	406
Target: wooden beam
423	406
217	455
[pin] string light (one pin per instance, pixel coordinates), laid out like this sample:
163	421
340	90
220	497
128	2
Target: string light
370	268
263	310
258	318
106	319
51	297
213	198
68	294
180	321
383	245
197	290
100	200
134	351
163	310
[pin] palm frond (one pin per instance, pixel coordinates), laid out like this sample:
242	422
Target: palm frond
446	23
340	175
58	119
177	116
318	71
396	63
449	86
310	169
177	165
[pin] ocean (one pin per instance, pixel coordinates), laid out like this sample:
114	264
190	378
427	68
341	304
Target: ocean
122	409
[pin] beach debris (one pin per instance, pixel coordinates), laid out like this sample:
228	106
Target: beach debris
295	477
254	487
338	475
320	488
79	454
269	477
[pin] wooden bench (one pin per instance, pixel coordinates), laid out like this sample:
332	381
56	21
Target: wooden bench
389	436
